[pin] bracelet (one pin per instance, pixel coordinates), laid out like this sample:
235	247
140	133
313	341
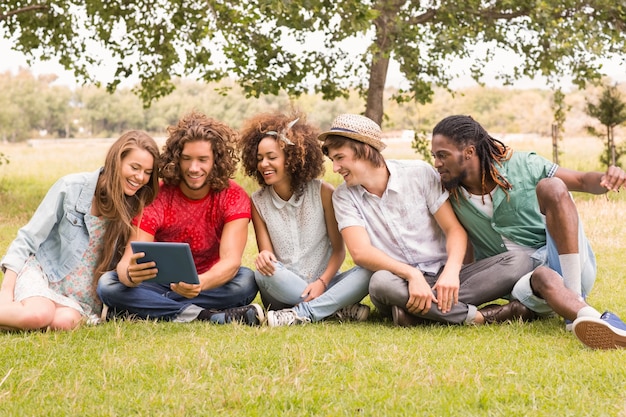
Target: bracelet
323	283
128	275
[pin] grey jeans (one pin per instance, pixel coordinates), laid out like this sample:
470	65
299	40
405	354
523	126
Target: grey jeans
480	282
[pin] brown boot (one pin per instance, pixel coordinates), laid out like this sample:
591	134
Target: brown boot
495	313
403	318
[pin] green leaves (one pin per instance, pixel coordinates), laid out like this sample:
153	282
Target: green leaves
610	112
321	46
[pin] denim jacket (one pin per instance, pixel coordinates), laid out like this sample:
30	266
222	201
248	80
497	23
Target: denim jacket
56	233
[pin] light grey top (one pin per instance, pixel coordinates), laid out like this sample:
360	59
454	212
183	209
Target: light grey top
401	222
297	229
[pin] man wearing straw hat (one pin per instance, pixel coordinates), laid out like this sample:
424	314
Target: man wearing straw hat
396	220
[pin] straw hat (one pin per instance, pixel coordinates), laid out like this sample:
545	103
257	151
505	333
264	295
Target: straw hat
359	128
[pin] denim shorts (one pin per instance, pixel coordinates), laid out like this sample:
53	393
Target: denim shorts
548	256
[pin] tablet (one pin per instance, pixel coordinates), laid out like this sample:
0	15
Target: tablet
173	260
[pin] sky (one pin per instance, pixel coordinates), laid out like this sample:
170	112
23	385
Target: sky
11	61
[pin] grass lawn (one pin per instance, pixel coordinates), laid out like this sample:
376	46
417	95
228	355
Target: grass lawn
326	369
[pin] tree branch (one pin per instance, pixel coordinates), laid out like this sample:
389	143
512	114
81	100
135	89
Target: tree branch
34	7
424	17
497	15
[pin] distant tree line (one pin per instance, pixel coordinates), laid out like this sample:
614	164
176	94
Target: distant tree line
36	107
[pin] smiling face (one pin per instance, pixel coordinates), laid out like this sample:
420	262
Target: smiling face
271	162
451	162
196	163
353	170
136	169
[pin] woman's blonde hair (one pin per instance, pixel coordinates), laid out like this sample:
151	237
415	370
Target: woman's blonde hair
116	206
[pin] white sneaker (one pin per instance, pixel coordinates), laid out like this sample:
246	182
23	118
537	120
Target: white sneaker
569	325
354	312
607	332
286	317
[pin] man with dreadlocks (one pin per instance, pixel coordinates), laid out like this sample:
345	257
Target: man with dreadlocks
519	201
396	220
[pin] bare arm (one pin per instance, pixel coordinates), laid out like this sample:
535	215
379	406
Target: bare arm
448	283
128	269
264	262
593	182
7	289
339	250
232	244
338	255
369	257
364	254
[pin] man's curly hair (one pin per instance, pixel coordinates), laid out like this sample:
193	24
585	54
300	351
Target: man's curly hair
193	127
304	160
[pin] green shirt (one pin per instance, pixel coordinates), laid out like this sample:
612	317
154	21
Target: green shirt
516	216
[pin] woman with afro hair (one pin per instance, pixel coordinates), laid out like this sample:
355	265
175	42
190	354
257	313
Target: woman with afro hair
300	247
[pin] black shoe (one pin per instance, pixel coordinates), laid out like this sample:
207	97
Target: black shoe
251	315
495	313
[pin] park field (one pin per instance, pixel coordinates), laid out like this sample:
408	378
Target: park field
145	368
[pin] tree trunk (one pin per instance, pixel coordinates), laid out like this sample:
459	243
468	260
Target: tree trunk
610	146
376	88
613	158
385	25
555	143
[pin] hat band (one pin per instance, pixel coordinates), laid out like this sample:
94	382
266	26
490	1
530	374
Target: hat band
332	129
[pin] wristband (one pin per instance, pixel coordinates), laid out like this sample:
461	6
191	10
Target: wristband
323	283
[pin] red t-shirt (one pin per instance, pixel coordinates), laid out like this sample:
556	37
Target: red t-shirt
172	217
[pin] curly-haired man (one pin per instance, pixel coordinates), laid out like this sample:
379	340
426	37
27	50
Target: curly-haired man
198	204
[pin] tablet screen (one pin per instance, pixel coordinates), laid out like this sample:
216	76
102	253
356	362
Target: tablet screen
173	260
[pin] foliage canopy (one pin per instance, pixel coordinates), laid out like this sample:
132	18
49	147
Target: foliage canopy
327	46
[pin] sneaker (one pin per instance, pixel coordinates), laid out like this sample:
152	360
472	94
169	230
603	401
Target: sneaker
354	312
251	315
286	317
607	332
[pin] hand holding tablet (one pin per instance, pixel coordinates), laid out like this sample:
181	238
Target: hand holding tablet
173	260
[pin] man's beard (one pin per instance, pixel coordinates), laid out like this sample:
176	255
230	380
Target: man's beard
196	188
455	182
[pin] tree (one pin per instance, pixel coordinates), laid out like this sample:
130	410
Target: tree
327	46
25	104
559	109
610	112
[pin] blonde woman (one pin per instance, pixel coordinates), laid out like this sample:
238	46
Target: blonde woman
78	232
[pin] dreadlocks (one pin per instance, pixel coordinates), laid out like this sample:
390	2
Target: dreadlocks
465	131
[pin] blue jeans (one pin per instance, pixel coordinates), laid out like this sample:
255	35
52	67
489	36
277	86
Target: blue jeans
549	256
284	290
150	300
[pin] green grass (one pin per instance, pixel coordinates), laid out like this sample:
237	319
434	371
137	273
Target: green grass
325	369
